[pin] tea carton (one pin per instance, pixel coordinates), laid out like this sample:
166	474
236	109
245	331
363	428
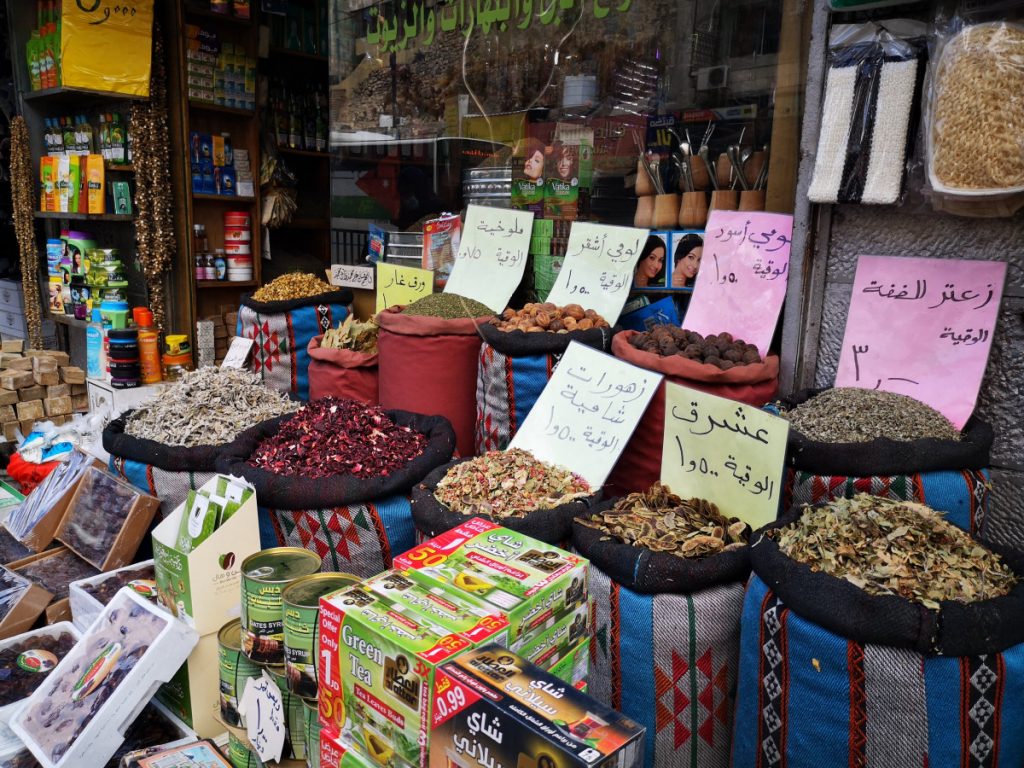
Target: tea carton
495	709
555	638
499	569
573	667
376	675
336	754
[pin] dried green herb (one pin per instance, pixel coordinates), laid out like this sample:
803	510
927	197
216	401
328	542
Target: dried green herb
660	521
509	483
852	415
449	306
352	334
900	548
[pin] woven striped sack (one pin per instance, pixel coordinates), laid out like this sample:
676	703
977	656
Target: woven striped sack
514	367
167	472
355	525
281	332
949	476
832	676
665	647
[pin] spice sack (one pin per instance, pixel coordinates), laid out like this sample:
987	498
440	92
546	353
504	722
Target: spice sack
341	373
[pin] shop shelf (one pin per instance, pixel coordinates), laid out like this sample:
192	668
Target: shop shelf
288	52
219	109
84	216
118	168
67	96
226	284
223	198
68	320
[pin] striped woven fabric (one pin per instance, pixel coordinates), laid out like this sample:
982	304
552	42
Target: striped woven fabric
963	495
669	662
506	389
170	487
807	697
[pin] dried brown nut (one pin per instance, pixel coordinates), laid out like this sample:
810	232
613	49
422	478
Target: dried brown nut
575	311
585	324
543	319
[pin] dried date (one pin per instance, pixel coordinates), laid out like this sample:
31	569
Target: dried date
55	572
25	664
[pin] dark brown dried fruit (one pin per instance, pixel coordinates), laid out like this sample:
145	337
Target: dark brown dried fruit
24	665
719	350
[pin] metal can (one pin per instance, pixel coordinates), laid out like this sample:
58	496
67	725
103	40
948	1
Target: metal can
264	576
301	600
312	732
235	669
240	755
295	717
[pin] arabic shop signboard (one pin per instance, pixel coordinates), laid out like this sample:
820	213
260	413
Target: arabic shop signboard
401	285
587	412
922	327
492	255
726	452
420	22
598	268
351	275
743	274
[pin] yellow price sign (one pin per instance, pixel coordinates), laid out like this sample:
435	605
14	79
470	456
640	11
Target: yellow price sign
402	285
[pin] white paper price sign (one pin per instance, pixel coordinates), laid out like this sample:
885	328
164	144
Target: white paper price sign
492	255
723	451
263	709
598	269
351	275
238	353
587	412
402	285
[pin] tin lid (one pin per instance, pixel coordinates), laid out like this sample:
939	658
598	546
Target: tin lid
128	334
306	592
280	564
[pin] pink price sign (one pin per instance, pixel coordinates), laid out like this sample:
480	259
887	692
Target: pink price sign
922	327
743	274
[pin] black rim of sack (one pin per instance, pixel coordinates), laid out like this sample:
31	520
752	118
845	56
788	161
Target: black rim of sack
295	492
340	296
552	526
884	456
170	458
650	573
521	343
956	629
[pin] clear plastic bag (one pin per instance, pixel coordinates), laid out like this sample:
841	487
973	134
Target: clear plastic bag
869	113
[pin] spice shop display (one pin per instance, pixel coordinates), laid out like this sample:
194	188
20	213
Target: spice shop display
498	707
519	352
753	383
411	344
281	318
88	596
667	578
343	362
925	669
26	660
336	478
845	441
21	602
77	716
511	488
169	445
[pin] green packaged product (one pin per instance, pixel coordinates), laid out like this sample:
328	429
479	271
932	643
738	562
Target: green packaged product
198	522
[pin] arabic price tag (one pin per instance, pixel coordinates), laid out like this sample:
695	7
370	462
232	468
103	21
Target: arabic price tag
238	353
743	275
585	415
922	327
402	285
351	275
492	255
262	707
598	269
725	452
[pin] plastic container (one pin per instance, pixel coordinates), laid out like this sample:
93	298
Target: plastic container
238	249
177	344
77	244
175	365
124	383
80	294
54	253
149	347
237	219
96	363
237	235
52	630
115	313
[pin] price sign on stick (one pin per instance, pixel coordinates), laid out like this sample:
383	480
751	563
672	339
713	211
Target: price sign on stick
263	709
238	353
402	285
922	327
723	451
492	255
587	412
743	274
351	275
598	269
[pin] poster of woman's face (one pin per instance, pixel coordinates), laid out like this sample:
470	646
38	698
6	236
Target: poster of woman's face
687	250
563	163
650	269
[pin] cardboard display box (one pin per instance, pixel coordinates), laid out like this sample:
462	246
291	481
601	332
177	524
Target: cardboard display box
21	604
193	693
59	609
336	754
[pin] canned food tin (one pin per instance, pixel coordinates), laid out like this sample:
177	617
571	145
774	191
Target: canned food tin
295	717
235	670
240	755
301	601
264	575
312	733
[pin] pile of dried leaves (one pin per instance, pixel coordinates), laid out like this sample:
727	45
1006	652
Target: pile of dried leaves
895	548
352	334
662	522
509	483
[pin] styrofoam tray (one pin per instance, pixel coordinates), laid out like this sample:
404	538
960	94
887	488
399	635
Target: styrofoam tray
51	630
84	607
103	684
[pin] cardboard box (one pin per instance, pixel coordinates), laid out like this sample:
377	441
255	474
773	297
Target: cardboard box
202	588
34	392
131	636
9	497
16	378
72	375
334	753
85	608
499	569
59	608
574	666
46	377
8	397
191	695
54	631
31	409
378	688
22	606
57	406
555	638
499	709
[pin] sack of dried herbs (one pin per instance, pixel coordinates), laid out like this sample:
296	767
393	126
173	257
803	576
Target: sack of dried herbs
844	441
639	466
511	488
282	329
342	373
667	593
834	674
427	364
513	369
337	481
